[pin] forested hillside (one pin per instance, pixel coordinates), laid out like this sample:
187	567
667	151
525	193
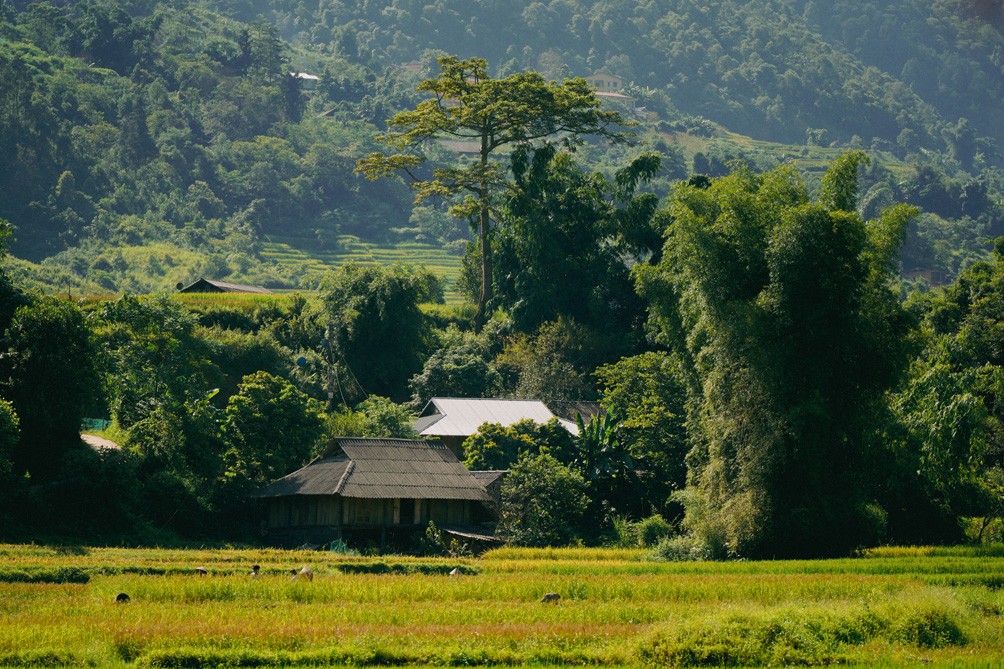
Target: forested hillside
153	142
767	68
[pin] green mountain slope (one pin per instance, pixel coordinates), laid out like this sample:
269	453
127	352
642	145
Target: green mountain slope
176	125
768	68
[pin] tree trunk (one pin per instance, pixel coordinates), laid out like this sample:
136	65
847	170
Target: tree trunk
486	270
484	227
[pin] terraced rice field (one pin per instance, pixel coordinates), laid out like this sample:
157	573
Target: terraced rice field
437	260
903	607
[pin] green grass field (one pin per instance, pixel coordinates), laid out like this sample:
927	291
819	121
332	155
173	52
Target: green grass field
898	607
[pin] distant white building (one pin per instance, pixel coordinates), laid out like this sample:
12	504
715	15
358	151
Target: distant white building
453	419
307	80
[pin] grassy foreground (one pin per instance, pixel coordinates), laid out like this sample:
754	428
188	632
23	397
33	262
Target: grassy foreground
893	607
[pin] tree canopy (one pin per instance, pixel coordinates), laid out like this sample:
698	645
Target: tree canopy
468	104
784	308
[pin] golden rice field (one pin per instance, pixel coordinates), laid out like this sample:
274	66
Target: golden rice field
891	607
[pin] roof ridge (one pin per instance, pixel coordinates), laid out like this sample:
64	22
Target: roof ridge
344	477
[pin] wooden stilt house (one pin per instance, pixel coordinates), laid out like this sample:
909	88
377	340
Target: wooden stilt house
375	490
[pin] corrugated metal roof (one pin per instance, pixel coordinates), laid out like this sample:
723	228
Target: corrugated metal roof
382	469
461	417
320	477
488	476
568	410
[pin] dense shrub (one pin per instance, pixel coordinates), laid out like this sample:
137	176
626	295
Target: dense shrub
653	530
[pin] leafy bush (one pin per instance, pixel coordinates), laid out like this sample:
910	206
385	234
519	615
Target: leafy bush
624	532
653	530
543	502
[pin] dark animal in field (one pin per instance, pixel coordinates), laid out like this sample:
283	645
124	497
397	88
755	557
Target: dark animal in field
551	598
121	598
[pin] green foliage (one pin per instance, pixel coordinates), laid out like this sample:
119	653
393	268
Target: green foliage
460	367
543	502
10	433
682	548
152	357
554	250
93	494
468	104
269	428
179	123
786	316
49	377
952	439
376	328
653	530
495	446
553	364
648	394
434	542
373	417
605	462
645	533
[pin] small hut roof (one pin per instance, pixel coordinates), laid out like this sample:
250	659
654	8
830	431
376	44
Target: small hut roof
382	469
211	286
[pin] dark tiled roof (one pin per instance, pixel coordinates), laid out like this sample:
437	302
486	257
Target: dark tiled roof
382	469
568	410
208	285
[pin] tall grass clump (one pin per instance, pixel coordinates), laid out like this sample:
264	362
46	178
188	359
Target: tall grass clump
644	533
807	636
786	638
683	548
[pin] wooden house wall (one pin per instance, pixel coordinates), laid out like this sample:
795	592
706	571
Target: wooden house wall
335	511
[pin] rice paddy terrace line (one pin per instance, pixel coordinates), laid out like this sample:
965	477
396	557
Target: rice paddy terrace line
304	254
